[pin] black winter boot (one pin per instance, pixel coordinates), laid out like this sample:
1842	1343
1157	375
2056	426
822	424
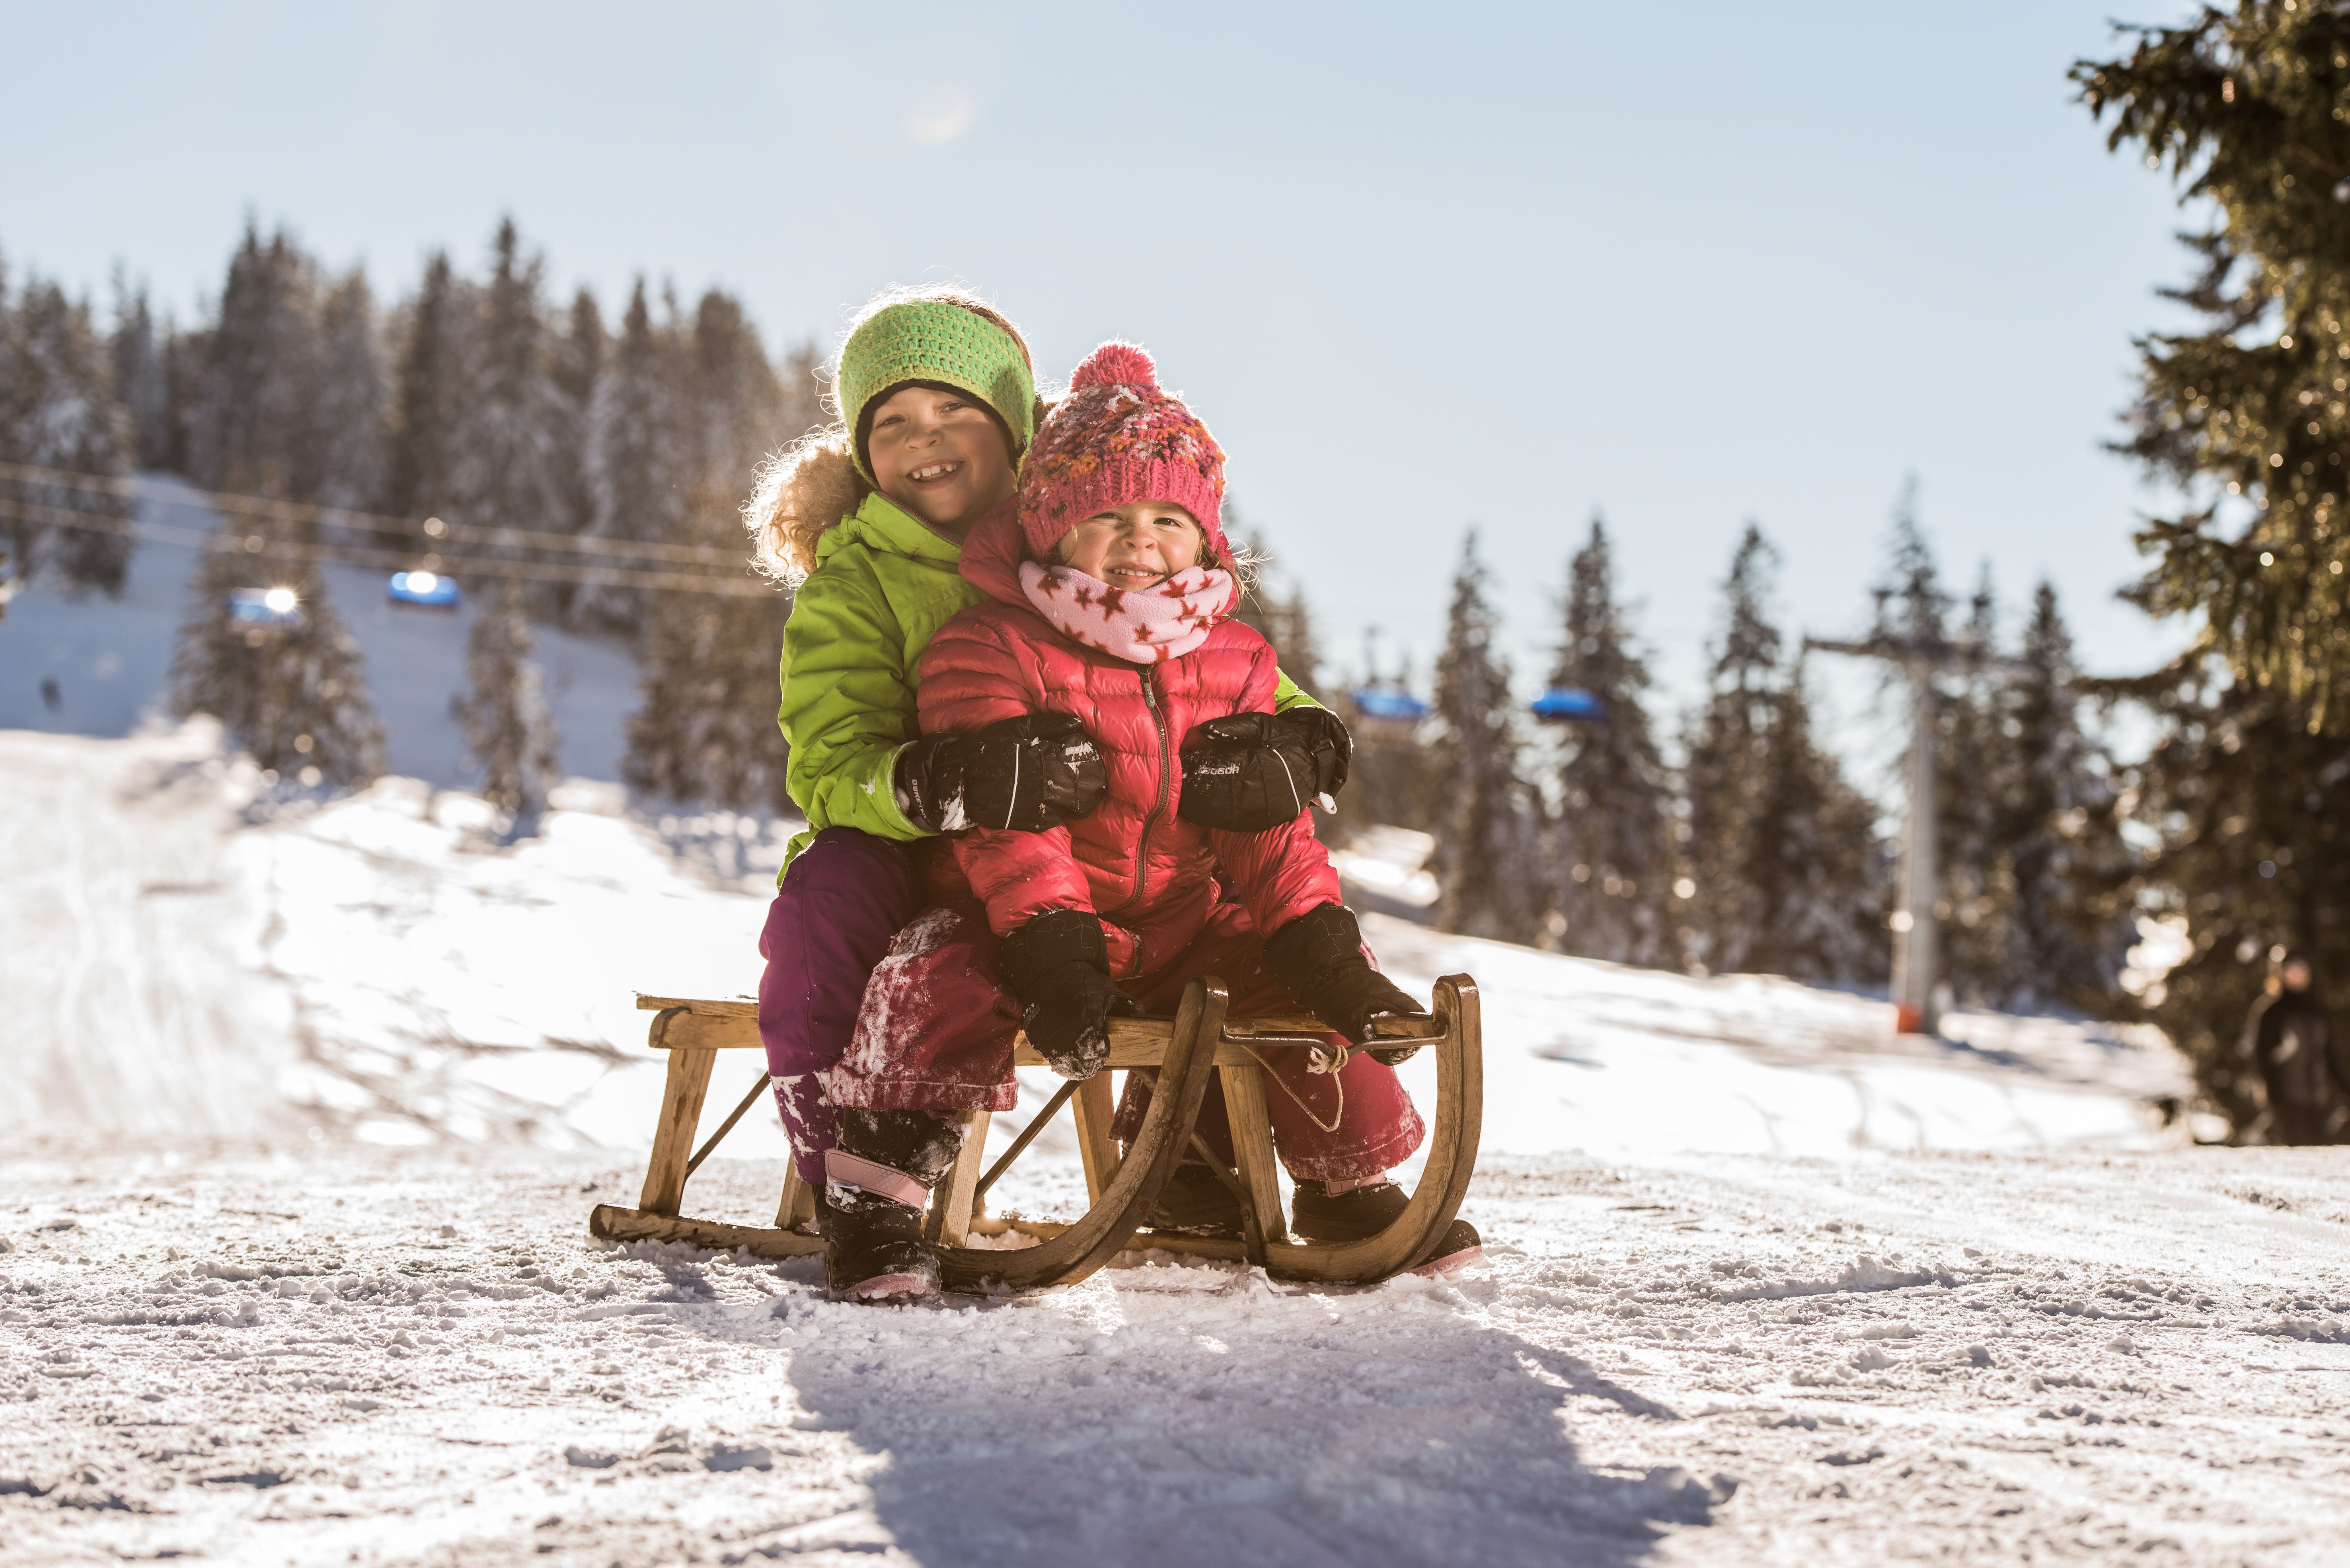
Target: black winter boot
1361	1211
872	1230
1194	1203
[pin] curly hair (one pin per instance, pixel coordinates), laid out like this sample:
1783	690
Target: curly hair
813	483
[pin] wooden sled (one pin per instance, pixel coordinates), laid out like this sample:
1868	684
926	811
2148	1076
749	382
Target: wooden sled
1121	1185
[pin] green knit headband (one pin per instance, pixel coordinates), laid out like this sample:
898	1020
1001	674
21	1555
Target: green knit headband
928	340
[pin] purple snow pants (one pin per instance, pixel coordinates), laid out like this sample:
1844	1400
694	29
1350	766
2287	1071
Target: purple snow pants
842	901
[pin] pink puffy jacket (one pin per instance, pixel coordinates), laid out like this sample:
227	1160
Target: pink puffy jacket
1150	875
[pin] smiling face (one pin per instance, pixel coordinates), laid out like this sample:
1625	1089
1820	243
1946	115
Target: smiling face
1133	547
939	454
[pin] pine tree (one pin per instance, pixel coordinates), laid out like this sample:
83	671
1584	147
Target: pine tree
1816	864
2251	804
349	443
2244	106
1487	818
2071	919
139	382
508	730
294	698
252	423
1973	800
1610	865
705	730
508	470
578	367
61	413
1729	750
429	401
638	467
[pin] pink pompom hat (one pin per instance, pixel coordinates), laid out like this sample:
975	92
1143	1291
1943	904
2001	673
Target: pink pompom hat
1117	438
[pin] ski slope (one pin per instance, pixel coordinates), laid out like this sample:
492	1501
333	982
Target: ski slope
109	661
309	1098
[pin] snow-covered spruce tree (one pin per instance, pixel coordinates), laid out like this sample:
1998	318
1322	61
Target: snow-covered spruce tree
1815	865
293	697
251	424
638	464
1610	861
348	451
577	368
1728	747
61	413
1973	801
1486	817
708	664
429	401
2069	922
508	472
139	383
509	732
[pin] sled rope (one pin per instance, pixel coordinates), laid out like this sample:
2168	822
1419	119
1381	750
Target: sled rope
727	1126
1336	1081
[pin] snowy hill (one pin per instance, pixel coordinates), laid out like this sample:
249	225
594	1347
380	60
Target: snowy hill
109	661
374	965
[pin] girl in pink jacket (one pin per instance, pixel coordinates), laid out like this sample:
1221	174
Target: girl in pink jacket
1111	598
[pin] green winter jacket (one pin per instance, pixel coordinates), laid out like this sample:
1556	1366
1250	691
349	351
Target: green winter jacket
884	583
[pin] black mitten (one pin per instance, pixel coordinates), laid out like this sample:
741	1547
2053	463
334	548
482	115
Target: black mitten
1318	959
1025	774
1249	772
1058	966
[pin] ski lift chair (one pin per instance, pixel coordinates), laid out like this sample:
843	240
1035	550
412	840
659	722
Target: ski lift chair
1121	1185
1570	705
263	610
423	590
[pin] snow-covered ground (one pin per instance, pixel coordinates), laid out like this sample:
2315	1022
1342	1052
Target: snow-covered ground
309	1100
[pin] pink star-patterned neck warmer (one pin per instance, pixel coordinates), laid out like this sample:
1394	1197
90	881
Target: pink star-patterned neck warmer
1142	625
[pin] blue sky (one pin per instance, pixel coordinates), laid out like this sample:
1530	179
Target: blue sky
1419	268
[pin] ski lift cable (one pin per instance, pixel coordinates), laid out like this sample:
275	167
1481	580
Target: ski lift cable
380	523
744	587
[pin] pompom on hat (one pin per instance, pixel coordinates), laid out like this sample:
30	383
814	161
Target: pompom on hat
1118	439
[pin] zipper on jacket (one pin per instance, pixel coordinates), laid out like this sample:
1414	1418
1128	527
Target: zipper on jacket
1142	845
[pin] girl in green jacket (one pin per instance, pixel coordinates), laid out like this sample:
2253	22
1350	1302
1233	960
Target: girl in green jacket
936	397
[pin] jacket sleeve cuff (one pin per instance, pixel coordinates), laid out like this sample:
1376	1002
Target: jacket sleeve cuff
882	789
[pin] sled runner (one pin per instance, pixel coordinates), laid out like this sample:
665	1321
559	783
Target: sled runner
1121	1185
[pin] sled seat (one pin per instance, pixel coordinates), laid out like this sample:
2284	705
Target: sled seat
1121	1185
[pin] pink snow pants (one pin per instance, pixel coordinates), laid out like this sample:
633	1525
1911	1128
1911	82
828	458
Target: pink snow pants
937	1022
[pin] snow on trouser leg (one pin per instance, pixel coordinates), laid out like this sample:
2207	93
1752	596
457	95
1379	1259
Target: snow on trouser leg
832	919
878	1179
1353	1127
937	1026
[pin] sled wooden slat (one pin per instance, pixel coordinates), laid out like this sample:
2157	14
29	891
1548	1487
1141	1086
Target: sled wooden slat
730	1025
1095	1109
1184	1050
796	1210
682	1095
953	1201
1252	1127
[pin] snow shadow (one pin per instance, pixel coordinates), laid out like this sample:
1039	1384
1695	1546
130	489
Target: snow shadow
1179	1415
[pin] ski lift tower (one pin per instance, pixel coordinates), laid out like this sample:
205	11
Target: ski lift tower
1915	927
